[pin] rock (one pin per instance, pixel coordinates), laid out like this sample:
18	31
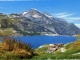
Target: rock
63	49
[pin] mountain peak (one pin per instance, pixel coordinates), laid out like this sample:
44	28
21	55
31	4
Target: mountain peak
33	9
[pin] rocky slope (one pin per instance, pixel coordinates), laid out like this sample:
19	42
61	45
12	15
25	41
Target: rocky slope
34	22
50	23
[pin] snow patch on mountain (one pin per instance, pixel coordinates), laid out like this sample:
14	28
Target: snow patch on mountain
24	13
49	16
36	16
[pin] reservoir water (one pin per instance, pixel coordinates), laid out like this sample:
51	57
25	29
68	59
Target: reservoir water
37	41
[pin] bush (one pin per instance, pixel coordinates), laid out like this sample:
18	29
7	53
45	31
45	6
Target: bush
18	47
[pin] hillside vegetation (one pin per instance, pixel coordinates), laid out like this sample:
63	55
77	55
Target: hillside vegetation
11	48
5	26
74	46
72	52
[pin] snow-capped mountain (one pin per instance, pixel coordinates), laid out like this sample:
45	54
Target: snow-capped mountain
34	20
56	25
36	15
31	13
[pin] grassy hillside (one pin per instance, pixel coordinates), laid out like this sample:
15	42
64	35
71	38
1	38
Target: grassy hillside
14	27
15	49
74	46
72	52
7	31
5	26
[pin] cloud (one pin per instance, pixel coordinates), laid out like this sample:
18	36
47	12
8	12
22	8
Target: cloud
63	15
78	25
69	17
73	19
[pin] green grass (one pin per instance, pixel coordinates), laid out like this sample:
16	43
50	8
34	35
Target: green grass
59	55
41	50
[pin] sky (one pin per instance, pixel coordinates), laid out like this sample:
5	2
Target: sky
68	10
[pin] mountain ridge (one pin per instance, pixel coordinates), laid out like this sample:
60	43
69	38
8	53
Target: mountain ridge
34	21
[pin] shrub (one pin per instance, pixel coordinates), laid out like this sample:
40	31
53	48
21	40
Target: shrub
20	48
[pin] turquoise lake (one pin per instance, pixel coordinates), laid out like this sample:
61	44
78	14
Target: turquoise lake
37	41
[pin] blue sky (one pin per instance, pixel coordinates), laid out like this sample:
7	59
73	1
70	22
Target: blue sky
66	9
